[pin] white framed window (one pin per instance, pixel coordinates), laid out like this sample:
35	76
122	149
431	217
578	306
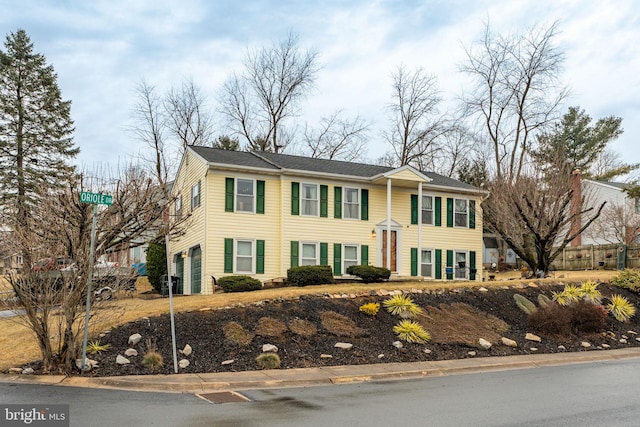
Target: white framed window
195	195
461	212
245	195
19	259
460	267
178	207
351	203
309	253
427	210
426	263
350	256
309	199
245	256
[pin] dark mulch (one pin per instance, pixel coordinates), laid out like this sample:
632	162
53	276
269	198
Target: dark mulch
203	331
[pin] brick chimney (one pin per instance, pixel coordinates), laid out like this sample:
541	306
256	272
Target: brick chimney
576	206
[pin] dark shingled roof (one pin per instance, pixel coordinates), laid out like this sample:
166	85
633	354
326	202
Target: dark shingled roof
275	161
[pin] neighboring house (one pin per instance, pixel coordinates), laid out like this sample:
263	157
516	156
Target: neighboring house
259	213
619	221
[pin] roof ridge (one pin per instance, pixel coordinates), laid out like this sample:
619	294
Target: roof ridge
265	159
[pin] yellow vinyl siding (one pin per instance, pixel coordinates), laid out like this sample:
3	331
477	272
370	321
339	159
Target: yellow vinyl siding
407	175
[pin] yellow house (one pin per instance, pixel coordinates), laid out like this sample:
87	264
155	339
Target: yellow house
258	214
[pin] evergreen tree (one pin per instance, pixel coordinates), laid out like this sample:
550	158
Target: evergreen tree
35	129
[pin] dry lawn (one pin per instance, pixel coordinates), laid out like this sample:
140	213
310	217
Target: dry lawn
19	345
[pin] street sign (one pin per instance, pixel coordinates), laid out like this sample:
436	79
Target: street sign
96	198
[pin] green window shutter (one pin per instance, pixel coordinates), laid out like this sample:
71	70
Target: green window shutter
450	265
438	264
364	205
228	194
337	202
438	211
295	246
228	255
324	201
414	261
259	256
337	259
472	265
364	254
414	209
260	198
449	212
472	214
324	254
295	198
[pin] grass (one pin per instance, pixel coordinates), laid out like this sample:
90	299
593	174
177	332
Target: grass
19	344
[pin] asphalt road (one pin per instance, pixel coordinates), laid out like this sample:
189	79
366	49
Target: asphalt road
591	394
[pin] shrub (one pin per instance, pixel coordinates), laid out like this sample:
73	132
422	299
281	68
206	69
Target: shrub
310	275
587	317
552	319
234	332
621	308
629	279
569	294
239	283
303	327
589	291
156	264
412	332
270	327
95	347
342	326
370	308
524	304
369	273
152	360
402	305
268	361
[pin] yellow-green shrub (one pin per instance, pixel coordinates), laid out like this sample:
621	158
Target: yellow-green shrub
370	308
412	332
402	305
621	308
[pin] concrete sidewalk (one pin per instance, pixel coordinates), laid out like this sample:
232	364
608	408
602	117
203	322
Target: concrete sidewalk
277	378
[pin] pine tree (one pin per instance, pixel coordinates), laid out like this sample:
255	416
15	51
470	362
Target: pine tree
35	130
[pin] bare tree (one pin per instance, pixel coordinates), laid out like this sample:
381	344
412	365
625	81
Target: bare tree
537	215
259	102
416	124
517	92
455	147
617	224
336	138
53	302
609	165
188	121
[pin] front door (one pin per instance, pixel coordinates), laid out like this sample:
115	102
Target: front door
394	250
180	273
196	270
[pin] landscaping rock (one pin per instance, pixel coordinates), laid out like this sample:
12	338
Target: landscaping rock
380	356
483	289
121	360
427	351
343	345
269	348
472	353
131	352
397	344
326	356
605	346
632	332
228	362
183	363
509	342
90	364
134	339
486	345
187	350
15	370
28	371
585	344
532	337
562	348
533	349
623	341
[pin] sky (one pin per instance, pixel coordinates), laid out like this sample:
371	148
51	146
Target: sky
101	50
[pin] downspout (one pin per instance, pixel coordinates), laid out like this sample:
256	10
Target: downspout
388	263
419	256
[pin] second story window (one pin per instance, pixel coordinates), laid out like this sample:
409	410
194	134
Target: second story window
245	195
427	210
351	203
461	212
309	199
195	195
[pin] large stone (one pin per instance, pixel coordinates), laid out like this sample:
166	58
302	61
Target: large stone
509	342
397	344
121	360
484	344
585	344
134	339
532	337
187	350
90	364
472	354
130	352
343	345
269	348
228	362
183	363
28	371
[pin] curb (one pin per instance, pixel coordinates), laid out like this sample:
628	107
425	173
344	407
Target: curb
327	375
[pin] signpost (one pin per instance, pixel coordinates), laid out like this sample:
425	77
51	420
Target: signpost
95	199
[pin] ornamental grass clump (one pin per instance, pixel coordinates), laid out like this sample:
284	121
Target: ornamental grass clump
268	361
370	308
621	308
569	294
94	347
402	305
590	293
411	332
628	278
152	359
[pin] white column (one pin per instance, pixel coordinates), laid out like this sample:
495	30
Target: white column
419	226
388	224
